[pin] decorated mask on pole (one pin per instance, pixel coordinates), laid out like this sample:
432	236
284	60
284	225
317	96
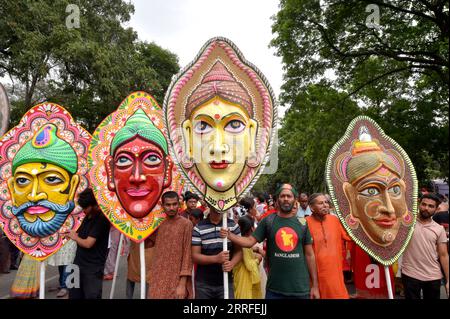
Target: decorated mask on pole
43	165
220	116
373	186
130	166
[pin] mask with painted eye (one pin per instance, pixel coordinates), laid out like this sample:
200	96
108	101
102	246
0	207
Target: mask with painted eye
370	191
202	128
235	126
152	160
22	181
395	190
138	177
123	161
53	180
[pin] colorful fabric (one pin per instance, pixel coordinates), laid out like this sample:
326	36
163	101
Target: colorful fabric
172	259
64	256
369	276
246	277
26	282
288	272
373	186
328	236
48	133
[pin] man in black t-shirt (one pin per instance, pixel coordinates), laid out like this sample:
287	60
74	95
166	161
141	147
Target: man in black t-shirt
92	250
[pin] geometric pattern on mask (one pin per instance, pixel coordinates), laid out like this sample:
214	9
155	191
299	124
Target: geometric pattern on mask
40	248
137	229
336	175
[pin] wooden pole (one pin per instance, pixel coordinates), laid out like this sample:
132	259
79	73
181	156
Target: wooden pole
225	247
42	280
142	259
388	282
116	267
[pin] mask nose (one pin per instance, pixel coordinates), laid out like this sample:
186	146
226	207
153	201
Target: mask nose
36	194
136	177
218	146
387	208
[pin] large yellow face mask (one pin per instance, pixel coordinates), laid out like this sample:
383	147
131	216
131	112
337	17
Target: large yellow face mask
219	137
42	194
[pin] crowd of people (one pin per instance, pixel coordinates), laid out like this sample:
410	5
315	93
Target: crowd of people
281	246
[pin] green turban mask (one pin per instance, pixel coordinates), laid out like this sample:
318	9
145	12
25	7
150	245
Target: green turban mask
139	125
47	147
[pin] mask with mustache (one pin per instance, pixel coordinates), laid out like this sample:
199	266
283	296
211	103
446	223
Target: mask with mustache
40	228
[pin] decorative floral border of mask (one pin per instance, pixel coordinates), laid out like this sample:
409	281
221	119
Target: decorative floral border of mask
137	229
258	100
390	154
10	144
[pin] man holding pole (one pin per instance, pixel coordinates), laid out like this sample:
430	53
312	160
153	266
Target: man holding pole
92	250
171	266
292	264
212	260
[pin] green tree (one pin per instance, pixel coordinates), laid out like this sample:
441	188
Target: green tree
394	69
89	69
309	130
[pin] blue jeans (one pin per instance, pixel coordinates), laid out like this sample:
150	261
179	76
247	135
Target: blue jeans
275	295
62	276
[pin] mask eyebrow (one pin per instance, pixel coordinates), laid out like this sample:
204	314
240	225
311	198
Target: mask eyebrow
237	114
202	116
123	152
394	180
372	181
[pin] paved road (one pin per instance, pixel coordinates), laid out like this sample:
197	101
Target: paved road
52	276
51	281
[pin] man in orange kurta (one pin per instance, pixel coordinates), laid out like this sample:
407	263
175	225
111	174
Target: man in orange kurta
328	234
171	266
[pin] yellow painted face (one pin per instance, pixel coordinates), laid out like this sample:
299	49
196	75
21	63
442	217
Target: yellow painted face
34	182
219	137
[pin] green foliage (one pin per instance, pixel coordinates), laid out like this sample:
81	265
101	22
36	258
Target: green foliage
396	73
310	128
89	69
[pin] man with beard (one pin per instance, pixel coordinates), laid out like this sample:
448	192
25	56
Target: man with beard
289	243
92	250
425	254
328	236
171	266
